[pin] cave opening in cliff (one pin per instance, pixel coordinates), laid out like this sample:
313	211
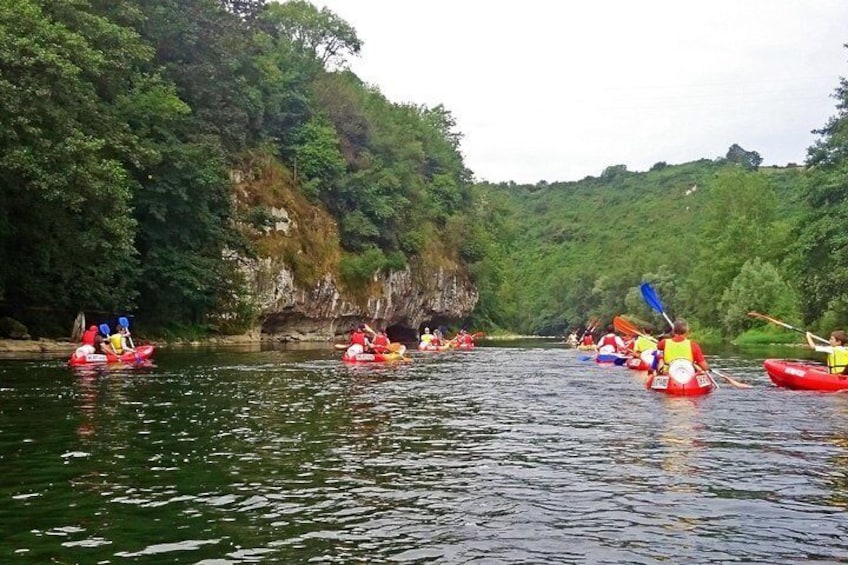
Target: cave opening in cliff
401	333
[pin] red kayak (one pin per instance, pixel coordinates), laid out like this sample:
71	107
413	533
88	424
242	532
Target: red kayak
804	376
142	353
372	357
683	382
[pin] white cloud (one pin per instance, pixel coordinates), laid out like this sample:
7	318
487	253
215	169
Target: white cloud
559	90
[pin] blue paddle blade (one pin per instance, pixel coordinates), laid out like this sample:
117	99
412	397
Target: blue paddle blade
104	329
124	322
587	358
651	298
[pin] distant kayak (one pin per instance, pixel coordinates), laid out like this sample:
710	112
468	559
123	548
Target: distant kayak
142	353
372	357
804	376
429	347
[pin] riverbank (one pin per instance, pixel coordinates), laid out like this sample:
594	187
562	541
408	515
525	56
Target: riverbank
10	347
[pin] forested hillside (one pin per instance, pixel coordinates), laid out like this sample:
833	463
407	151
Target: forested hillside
123	126
716	238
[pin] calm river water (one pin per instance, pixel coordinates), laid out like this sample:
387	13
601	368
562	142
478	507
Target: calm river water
521	453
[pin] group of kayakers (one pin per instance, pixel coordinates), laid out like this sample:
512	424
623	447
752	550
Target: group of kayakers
656	355
98	340
678	346
364	339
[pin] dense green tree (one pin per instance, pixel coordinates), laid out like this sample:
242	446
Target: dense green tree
758	287
739	156
320	35
65	223
822	252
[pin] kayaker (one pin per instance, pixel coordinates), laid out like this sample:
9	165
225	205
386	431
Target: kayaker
359	342
572	339
464	338
436	339
611	342
643	343
588	340
426	336
118	341
88	336
679	346
101	345
381	342
837	353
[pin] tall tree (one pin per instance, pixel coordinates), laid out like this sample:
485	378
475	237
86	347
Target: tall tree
822	242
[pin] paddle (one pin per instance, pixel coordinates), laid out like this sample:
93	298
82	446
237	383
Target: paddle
626	327
729	379
104	329
785	325
654	302
589	329
125	323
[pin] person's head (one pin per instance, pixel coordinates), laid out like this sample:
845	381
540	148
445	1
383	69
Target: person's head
610	329
463	331
426	330
92	329
360	328
680	327
838	336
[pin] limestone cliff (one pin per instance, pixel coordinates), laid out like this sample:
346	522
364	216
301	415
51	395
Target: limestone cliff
294	280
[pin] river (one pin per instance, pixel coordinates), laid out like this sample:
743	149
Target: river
524	452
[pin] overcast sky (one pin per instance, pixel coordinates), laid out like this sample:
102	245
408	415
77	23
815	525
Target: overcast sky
557	90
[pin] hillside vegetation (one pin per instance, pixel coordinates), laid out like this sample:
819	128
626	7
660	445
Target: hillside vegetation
701	233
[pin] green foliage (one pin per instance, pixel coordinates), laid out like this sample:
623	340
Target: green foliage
758	287
581	249
747	159
356	270
822	245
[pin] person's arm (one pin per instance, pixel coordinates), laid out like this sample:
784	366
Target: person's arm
810	341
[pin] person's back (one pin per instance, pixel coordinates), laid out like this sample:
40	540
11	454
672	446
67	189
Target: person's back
680	347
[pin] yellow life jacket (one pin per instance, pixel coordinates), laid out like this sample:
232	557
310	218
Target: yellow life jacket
115	342
643	344
677	350
838	360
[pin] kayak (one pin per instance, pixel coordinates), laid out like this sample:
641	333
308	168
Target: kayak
610	359
681	385
372	357
804	376
586	347
643	362
142	353
465	346
637	364
428	347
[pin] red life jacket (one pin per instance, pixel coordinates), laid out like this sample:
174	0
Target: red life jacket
380	343
358	338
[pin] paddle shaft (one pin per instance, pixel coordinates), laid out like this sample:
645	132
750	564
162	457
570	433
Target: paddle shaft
733	382
785	325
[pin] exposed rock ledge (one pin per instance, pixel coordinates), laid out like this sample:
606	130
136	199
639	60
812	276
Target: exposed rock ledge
402	302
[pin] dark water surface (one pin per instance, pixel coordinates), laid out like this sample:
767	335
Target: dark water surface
522	453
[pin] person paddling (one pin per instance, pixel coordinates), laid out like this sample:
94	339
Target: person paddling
837	353
611	342
380	343
679	346
359	342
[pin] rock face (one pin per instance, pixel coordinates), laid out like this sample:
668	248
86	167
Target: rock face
403	301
